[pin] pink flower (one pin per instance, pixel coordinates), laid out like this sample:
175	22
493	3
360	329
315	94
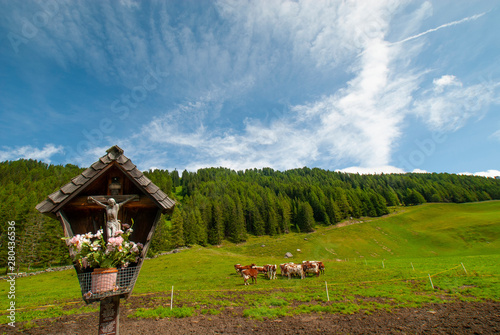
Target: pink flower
115	241
73	240
76	242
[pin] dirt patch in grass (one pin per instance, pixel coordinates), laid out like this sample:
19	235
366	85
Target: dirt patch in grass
448	318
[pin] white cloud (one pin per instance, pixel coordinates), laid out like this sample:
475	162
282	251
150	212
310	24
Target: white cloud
29	152
419	171
446	80
488	173
450	104
387	169
496	135
373	170
358	124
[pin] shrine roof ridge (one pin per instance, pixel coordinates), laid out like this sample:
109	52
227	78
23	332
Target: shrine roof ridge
114	155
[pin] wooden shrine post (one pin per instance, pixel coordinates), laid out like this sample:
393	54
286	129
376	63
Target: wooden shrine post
109	316
84	205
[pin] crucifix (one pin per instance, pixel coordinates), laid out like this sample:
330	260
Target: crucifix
110	184
112	208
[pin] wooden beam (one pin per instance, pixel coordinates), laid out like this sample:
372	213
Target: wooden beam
139	201
68	232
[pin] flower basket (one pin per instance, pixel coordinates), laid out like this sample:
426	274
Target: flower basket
107	267
104	280
98	284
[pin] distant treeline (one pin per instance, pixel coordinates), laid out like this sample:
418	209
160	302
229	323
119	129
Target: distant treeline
217	204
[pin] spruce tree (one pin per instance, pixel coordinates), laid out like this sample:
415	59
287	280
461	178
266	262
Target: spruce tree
177	230
305	217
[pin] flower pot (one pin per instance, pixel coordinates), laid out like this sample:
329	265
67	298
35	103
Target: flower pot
104	280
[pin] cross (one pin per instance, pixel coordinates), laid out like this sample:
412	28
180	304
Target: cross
112	208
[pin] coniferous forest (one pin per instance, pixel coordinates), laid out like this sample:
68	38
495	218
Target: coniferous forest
216	204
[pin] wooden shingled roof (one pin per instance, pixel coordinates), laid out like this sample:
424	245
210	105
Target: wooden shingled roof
114	156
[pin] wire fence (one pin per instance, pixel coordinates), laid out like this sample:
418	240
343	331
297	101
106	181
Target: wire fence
126	278
96	286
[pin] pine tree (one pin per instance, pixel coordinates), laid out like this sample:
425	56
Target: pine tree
333	211
177	230
161	238
255	223
272	223
176	180
216	227
305	217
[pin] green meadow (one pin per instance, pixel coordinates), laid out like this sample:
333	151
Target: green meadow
371	264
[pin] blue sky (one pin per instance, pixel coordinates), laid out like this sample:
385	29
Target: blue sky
356	86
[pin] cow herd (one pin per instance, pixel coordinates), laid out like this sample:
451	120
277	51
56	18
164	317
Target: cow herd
287	269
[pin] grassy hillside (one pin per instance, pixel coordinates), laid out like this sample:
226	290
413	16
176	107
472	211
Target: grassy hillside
388	258
424	231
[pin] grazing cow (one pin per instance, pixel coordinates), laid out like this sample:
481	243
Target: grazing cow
294	269
283	268
260	269
249	273
310	267
321	266
238	267
271	271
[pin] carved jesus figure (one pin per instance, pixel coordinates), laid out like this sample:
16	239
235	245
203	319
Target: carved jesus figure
112	208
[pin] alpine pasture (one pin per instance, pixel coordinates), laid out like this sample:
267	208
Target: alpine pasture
371	264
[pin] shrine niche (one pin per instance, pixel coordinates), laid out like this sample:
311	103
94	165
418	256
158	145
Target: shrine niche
100	204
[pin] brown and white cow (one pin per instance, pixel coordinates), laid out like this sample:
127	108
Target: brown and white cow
321	267
261	269
294	269
310	267
239	267
271	271
320	264
249	273
283	268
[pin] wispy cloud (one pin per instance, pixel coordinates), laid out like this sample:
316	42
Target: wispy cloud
449	104
496	135
358	123
28	152
343	90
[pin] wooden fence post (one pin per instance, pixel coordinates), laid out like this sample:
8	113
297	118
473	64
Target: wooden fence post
172	297
327	296
464	268
431	281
